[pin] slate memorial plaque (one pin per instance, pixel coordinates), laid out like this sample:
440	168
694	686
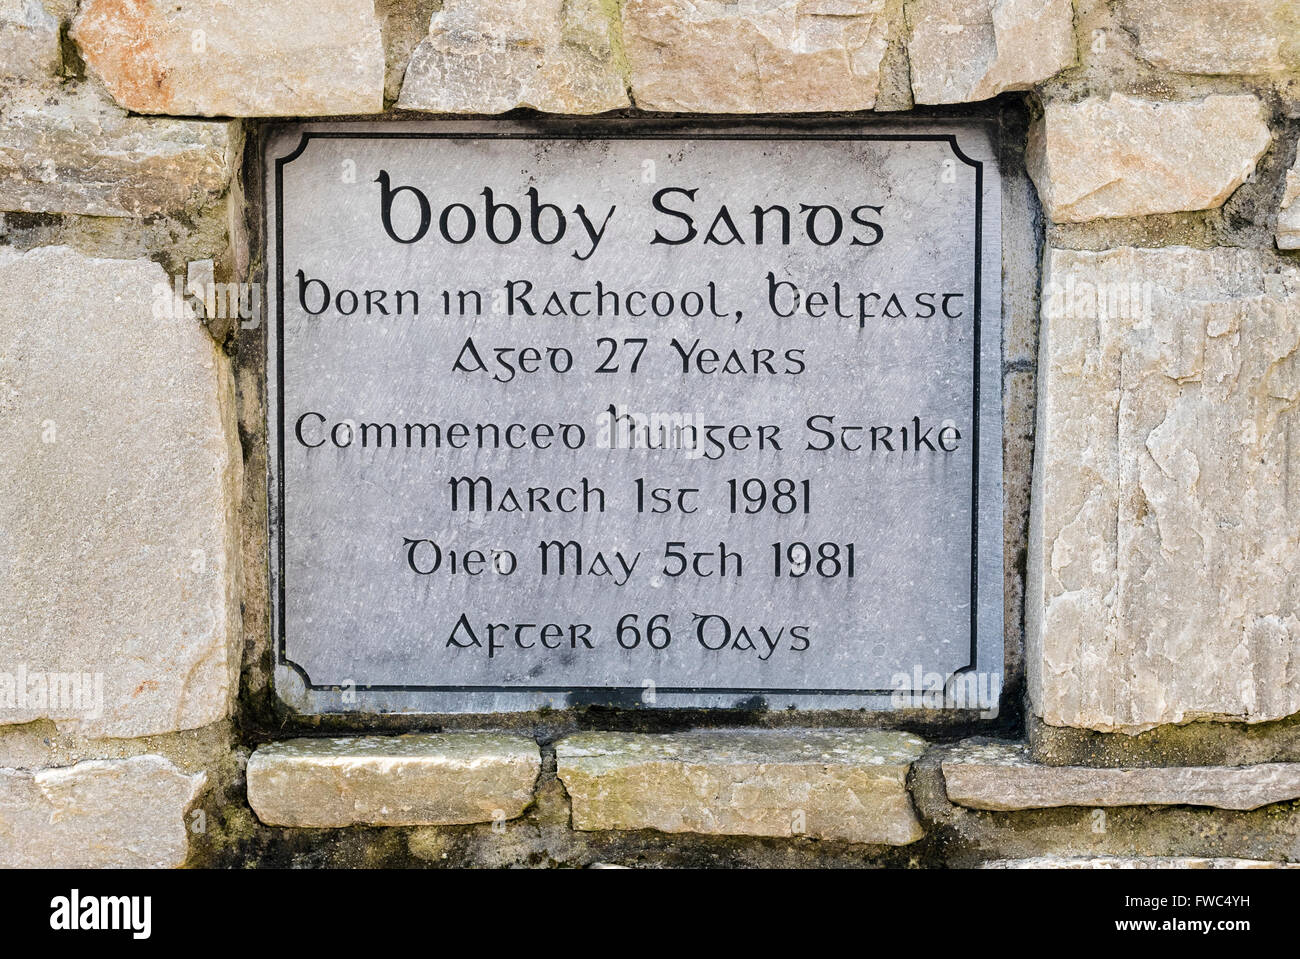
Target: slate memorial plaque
698	418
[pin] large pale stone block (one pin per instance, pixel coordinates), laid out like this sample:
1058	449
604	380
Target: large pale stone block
1165	531
1216	36
1288	215
1124	156
826	784
757	57
403	24
126	813
117	497
1002	776
223	58
414	780
64	150
976	49
29	40
561	56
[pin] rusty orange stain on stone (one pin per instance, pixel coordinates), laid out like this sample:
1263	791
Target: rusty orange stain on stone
119	40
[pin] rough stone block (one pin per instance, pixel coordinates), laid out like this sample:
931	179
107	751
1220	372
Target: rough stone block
403	24
65	150
29	40
1288	216
976	49
1216	36
117	496
414	780
764	56
826	784
127	813
1165	528
1002	776
1125	156
560	56
218	58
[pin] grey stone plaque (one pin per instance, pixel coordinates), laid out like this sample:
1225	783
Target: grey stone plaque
698	418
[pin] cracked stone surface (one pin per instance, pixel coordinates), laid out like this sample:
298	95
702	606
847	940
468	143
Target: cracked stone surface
1002	776
1122	156
1288	216
560	56
64	149
1216	36
414	780
118	484
826	784
1165	539
761	56
217	58
976	49
127	813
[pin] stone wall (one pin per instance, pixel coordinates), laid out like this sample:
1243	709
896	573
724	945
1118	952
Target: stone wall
1153	565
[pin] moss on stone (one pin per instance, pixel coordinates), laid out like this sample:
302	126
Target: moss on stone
1191	744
